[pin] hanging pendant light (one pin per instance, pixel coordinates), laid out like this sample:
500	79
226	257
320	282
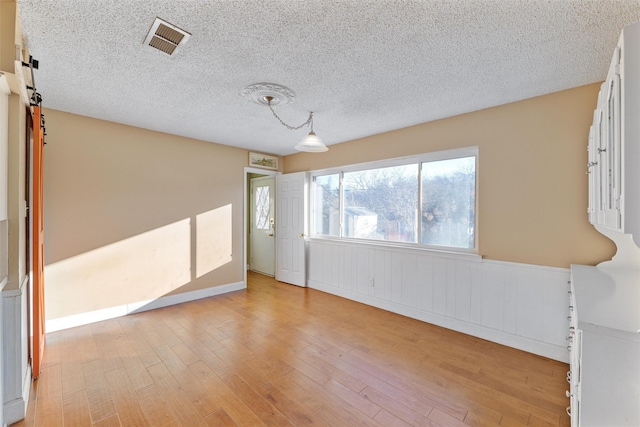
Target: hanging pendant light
271	93
311	143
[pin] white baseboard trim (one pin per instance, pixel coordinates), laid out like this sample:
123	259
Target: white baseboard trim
137	307
529	345
16	410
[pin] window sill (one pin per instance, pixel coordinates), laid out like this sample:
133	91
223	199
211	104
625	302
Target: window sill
469	255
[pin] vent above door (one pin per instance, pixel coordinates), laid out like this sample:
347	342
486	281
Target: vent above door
165	37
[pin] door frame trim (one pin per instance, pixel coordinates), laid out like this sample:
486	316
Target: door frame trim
245	216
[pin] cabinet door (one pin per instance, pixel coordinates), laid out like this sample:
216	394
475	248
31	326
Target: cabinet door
593	174
4	144
600	169
613	148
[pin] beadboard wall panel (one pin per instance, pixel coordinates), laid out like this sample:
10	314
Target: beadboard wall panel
16	371
520	305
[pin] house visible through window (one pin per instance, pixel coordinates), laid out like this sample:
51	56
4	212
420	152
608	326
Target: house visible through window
427	200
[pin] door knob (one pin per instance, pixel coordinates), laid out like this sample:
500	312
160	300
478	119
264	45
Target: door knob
300	234
270	234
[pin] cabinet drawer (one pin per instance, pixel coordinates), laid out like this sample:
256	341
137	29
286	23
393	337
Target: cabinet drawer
574	346
575	378
573	312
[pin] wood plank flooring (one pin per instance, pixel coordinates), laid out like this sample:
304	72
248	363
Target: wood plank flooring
280	355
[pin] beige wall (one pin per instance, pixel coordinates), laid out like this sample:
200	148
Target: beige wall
532	189
8	21
133	215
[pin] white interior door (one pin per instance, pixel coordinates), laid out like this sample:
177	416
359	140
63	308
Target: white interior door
291	227
262	227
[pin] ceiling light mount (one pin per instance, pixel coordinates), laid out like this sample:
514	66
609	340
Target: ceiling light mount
271	94
261	93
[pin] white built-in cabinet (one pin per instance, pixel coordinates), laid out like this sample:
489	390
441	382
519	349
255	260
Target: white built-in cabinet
614	143
604	343
604	301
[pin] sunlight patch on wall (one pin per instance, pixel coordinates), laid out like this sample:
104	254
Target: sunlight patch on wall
213	239
143	267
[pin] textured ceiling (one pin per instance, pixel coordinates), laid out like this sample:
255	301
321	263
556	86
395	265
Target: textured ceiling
362	66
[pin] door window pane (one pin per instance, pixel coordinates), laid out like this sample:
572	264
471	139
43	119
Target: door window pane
262	208
382	203
448	202
327	205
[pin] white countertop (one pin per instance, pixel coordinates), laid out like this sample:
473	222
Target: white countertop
608	298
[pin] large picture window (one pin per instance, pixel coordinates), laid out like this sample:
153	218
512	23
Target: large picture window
427	200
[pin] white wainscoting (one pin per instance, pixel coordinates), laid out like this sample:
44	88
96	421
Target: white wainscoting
15	364
122	310
3	282
519	305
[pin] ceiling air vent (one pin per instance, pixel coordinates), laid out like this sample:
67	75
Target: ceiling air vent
165	37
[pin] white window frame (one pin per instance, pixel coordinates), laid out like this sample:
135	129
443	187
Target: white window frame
379	164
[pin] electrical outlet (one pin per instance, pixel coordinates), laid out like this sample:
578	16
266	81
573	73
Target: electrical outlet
371	282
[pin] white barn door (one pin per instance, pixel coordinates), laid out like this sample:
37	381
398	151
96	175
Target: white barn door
291	227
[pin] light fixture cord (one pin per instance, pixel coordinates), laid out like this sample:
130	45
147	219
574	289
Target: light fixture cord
308	122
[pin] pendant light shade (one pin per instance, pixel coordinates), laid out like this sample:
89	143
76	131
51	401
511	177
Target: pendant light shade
312	144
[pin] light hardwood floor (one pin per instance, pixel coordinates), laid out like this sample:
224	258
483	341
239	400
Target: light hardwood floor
277	354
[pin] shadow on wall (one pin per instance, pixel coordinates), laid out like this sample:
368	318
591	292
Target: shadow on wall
132	273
